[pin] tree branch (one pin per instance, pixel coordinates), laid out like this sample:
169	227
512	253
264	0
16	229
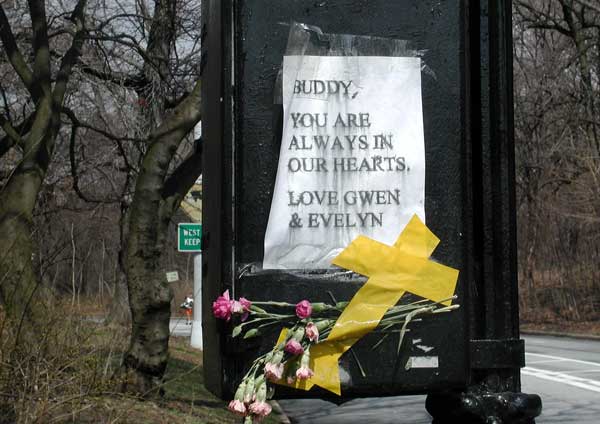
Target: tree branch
161	37
10	131
171	103
594	6
41	49
74	174
71	115
14	54
118	140
552	27
186	115
72	55
540	19
148	202
122	39
134	82
23	128
183	178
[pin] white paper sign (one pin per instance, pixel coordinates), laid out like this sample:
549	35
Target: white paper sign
352	157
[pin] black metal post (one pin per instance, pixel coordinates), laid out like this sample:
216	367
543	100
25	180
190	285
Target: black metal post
470	198
496	352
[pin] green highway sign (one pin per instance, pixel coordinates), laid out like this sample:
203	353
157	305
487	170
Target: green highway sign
189	237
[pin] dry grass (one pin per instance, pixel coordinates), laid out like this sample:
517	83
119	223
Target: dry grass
69	375
96	306
63	364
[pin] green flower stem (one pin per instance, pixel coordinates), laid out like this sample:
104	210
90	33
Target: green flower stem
280	304
268	324
270	315
397	315
254	308
257	362
257	320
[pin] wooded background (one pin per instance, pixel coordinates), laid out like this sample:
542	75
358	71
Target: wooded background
100	114
79	215
557	139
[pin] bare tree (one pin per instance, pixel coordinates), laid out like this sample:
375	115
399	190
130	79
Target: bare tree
128	80
167	88
44	74
557	69
157	197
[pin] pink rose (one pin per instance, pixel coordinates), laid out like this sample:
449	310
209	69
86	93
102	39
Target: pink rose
260	409
222	307
304	373
273	372
303	309
293	347
237	407
312	332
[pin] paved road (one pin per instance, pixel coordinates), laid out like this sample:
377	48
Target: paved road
179	328
177	325
564	372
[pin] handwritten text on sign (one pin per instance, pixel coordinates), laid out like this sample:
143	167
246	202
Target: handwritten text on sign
352	156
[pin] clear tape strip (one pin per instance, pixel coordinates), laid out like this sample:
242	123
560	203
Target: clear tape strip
309	40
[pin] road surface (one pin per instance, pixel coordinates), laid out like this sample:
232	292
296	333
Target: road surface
565	372
179	327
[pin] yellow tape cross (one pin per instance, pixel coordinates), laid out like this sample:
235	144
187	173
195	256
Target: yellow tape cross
392	271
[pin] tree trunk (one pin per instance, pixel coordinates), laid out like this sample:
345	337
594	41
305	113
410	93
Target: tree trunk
17	200
18	280
150	213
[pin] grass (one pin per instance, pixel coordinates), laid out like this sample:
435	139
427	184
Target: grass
186	400
67	378
185	391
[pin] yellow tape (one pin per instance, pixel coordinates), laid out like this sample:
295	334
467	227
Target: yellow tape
392	271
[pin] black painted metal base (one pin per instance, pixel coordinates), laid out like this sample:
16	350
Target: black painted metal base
478	405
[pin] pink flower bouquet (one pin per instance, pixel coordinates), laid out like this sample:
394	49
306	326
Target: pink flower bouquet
308	324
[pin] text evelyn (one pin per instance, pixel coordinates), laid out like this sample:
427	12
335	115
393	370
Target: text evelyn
345	220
